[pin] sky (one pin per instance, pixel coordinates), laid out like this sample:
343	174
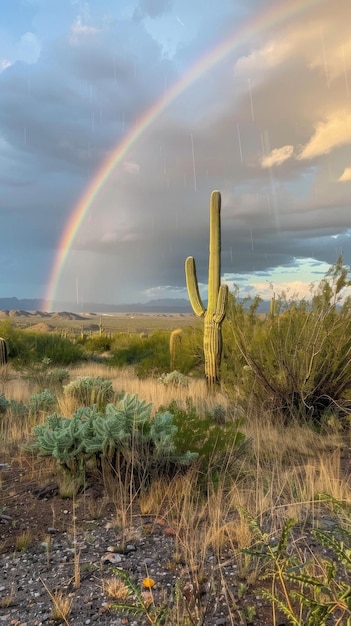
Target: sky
267	122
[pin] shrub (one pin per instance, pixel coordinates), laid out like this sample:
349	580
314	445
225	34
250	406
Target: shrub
175	379
148	355
3	403
57	377
42	402
27	348
189	357
297	363
88	390
123	438
98	343
41	376
211	441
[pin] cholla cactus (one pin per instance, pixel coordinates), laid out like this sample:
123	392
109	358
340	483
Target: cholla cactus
3	352
217	296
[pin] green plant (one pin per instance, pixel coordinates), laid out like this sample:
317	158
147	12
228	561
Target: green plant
27	348
175	340
138	602
17	409
217	296
42	402
174	378
3	352
296	363
210	440
98	343
90	390
122	439
148	355
309	592
3	403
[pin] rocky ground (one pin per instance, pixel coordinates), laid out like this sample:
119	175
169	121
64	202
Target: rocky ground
46	550
50	548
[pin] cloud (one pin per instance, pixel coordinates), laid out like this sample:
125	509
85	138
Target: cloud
345	176
152	8
4	63
277	156
267	57
64	115
79	30
29	48
333	132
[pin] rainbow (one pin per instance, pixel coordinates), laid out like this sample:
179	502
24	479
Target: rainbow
275	15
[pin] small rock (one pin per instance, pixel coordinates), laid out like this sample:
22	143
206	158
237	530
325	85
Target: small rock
130	547
111	558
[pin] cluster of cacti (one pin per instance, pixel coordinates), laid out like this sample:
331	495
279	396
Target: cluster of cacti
217	296
175	379
3	351
119	433
89	390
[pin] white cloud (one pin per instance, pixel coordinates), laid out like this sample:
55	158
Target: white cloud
345	176
78	30
277	156
329	134
293	288
334	60
271	55
4	63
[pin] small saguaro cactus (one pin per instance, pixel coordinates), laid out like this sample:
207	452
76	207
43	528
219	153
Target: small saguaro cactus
217	296
175	339
3	352
272	306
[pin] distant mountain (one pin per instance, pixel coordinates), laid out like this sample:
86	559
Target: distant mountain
12	304
167	305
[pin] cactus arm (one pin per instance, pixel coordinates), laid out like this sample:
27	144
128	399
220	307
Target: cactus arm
221	304
193	288
214	263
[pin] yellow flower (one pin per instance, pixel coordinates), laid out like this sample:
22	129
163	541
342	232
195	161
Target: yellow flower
148	582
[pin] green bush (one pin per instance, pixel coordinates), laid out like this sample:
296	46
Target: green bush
88	390
26	348
174	379
42	402
98	343
123	438
148	355
213	442
315	591
42	376
3	403
12	408
296	363
189	355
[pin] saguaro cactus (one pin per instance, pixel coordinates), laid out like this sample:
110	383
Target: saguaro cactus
3	351
217	296
175	339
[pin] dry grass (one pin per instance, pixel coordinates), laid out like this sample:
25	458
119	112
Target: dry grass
61	607
279	476
24	540
115	589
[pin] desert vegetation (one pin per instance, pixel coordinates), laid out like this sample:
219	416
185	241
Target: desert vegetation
252	476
